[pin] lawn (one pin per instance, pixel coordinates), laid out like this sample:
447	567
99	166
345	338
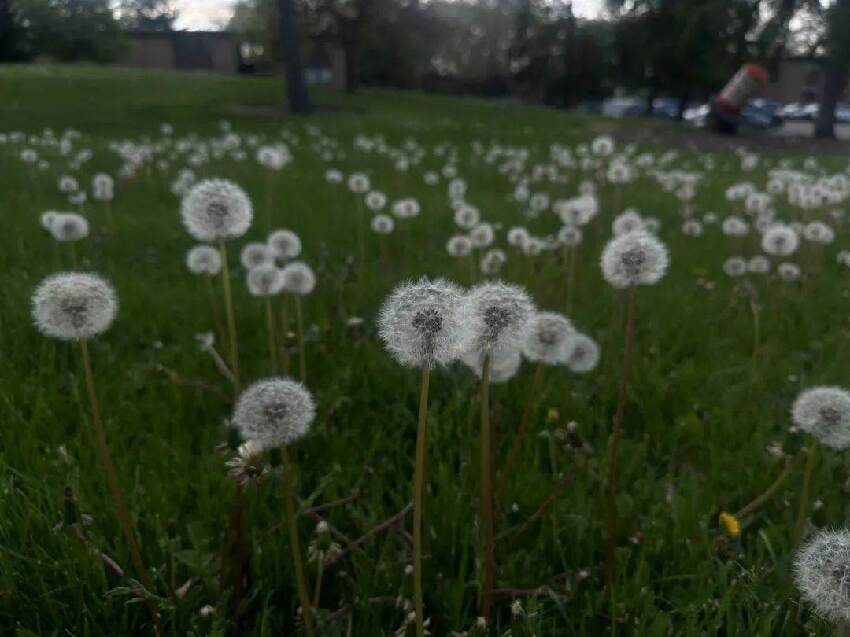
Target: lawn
710	388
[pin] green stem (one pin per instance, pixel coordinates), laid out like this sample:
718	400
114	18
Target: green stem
487	516
533	389
231	319
284	323
295	544
765	497
803	509
115	492
302	354
611	561
418	497
270	330
214	311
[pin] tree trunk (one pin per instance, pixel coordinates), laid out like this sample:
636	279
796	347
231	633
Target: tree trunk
835	81
352	80
296	89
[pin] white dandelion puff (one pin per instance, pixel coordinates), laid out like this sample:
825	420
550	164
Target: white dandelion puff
422	323
780	240
68	226
382	224
459	246
504	364
482	235
549	337
74	306
254	255
637	258
265	280
583	354
274	412
735	266
203	260
824	412
497	315
285	244
298	278
216	209
358	183
822	574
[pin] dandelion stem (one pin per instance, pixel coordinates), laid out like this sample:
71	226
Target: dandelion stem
611	556
284	324
803	509
302	354
754	308
231	319
214	311
317	590
118	502
533	389
765	497
418	497
270	330
487	492
295	545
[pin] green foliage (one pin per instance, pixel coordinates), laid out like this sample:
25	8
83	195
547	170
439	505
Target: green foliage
699	416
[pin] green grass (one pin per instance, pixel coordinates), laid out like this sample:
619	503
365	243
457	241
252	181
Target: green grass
700	413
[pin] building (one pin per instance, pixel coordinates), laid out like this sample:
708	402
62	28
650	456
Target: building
797	79
216	51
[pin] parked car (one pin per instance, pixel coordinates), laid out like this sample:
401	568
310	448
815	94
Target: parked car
624	106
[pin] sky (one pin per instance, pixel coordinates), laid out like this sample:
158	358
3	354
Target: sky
213	14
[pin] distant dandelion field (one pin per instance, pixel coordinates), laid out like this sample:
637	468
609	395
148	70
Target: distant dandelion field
412	365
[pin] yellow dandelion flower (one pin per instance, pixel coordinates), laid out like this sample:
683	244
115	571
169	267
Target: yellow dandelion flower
730	523
553	414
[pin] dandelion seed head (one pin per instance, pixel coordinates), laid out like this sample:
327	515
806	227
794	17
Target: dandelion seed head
549	336
788	272
74	306
68	226
637	258
203	260
504	364
627	222
285	244
253	255
273	413
482	235
780	240
570	236
824	412
265	280
497	314
461	246
358	183
382	224
216	209
822	573
298	278
467	217
422	325
406	208
582	355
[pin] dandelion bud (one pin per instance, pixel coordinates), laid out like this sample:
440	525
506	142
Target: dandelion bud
254	255
548	337
422	325
498	315
273	412
824	412
633	259
265	280
298	278
216	209
822	574
74	306
203	260
285	244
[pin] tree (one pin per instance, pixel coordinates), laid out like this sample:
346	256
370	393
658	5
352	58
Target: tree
837	66
147	15
10	33
290	45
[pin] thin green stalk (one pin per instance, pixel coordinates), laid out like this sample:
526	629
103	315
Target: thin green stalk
231	319
516	447
487	515
803	509
295	544
284	325
218	326
270	330
765	497
754	308
317	590
115	492
418	497
302	354
611	557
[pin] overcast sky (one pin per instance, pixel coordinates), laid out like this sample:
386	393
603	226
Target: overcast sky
213	14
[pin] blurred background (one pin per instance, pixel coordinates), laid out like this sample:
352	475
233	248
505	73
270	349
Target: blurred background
620	58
